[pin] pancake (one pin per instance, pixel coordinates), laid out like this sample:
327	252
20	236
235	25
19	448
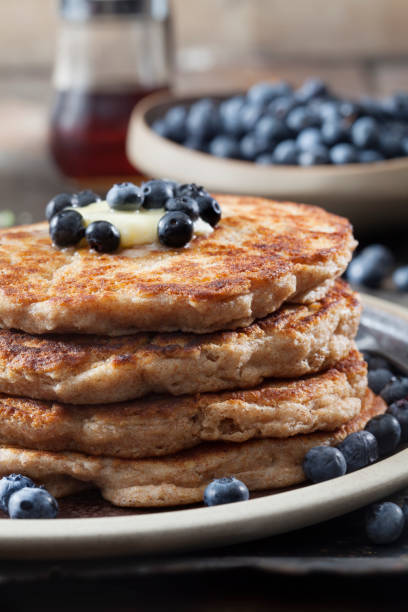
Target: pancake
261	254
159	425
82	369
181	478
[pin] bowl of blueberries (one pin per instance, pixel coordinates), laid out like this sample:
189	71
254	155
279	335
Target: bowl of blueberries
306	144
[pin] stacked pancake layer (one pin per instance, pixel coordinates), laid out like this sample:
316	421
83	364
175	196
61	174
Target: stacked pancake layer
192	384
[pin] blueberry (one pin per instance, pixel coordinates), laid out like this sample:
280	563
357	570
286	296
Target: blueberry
314	156
400	278
185	204
377	379
210	210
343	153
387	432
103	236
364	132
58	203
9	485
368	156
266	159
359	449
371	107
308	138
384	523
263	93
404	146
251	146
203	119
328	111
404	509
390	140
31	503
175	120
312	88
250	115
371	266
175	229
324	462
286	152
334	132
159	126
230	119
224	146
281	107
124	196
379	253
375	362
300	118
349	110
397	106
399	410
67	228
270	129
225	491
155	193
191	189
395	390
195	143
86	197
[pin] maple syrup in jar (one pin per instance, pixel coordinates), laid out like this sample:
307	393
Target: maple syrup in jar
111	53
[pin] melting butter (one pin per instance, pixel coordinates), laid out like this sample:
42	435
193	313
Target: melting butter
135	226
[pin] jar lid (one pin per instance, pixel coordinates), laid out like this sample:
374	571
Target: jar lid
81	10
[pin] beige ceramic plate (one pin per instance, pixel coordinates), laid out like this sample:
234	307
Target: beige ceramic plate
177	530
368	194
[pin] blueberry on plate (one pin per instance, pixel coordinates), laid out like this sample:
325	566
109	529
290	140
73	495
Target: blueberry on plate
312	88
265	159
380	254
387	432
251	146
67	228
229	111
390	140
124	196
210	210
399	410
250	114
395	390
371	266
32	503
377	379
103	236
400	278
359	449
334	132
271	129
316	155
286	152
225	491
155	193
384	523
343	153
375	362
160	127
191	189
175	229
185	204
9	485
175	120
224	146
309	138
85	197
281	107
323	463
203	119
300	118
58	203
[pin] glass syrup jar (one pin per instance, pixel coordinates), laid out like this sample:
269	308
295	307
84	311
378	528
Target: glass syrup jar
110	54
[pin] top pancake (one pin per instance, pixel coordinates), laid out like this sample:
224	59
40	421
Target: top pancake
261	254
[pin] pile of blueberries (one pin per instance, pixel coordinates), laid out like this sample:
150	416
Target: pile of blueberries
373	265
20	498
183	204
275	124
382	435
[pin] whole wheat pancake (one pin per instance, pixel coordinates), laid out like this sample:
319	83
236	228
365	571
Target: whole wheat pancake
292	342
181	478
261	254
159	425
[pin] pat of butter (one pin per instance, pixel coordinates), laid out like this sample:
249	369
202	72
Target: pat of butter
135	226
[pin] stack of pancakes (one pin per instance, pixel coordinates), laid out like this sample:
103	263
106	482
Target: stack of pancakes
150	372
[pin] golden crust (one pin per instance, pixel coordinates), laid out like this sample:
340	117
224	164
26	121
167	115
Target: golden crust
262	254
181	478
159	425
80	369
